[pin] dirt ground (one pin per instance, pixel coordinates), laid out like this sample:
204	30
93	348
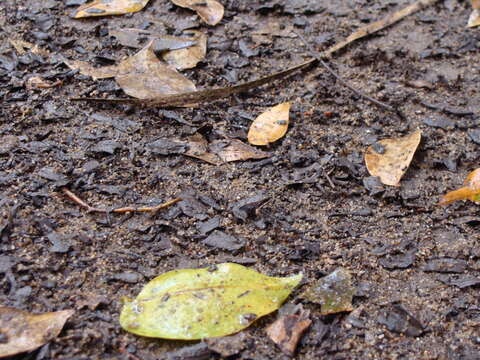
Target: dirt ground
415	264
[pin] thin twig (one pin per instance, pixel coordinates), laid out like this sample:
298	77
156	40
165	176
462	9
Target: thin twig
344	83
379	25
122	210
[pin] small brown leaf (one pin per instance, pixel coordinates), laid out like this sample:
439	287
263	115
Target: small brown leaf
474	19
288	330
221	151
389	158
142	76
210	11
22	331
270	125
109	7
188	58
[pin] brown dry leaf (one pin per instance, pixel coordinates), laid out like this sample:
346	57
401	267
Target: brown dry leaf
137	38
474	19
470	190
142	76
198	148
210	11
270	125
189	57
222	151
22	331
389	158
235	150
288	330
96	73
108	7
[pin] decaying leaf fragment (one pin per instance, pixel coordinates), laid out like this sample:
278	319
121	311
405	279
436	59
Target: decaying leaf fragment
108	7
270	125
142	76
221	151
194	304
470	190
474	19
334	292
22	331
211	11
389	158
287	331
189	57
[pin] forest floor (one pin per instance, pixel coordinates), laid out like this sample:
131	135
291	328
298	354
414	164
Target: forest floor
323	212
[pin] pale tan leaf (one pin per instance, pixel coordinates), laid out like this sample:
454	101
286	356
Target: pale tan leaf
287	331
96	73
143	76
23	331
108	7
270	125
189	57
198	148
474	19
389	158
235	150
210	11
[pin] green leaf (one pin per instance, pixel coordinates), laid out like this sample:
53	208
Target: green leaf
192	304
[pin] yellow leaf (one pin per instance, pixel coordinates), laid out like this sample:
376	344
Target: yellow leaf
270	125
470	190
389	158
192	304
109	7
211	11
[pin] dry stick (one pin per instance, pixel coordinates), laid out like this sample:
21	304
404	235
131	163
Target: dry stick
89	208
215	94
379	25
205	95
347	85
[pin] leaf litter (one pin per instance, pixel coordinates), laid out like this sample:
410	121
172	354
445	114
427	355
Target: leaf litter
22	331
389	159
470	190
474	19
192	304
210	11
189	57
142	75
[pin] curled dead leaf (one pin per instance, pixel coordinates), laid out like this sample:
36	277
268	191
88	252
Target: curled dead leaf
389	158
270	125
108	7
470	190
22	331
210	11
189	57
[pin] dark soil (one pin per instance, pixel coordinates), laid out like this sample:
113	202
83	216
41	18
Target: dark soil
415	265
